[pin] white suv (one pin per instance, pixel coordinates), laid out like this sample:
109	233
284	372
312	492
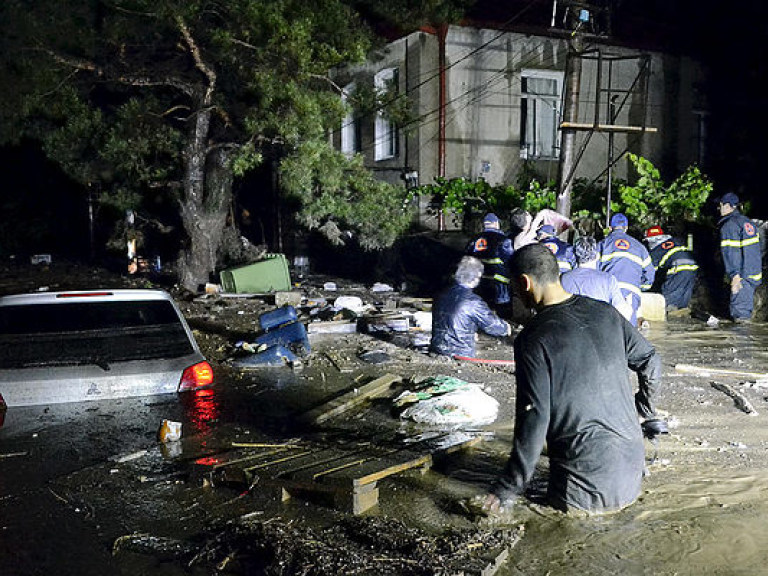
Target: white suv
75	346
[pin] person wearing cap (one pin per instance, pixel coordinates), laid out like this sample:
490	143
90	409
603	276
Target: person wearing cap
494	249
675	266
562	250
742	257
628	260
459	313
586	280
574	395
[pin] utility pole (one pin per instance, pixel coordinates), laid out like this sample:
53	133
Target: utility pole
442	33
570	115
582	20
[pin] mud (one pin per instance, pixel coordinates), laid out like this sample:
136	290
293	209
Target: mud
87	489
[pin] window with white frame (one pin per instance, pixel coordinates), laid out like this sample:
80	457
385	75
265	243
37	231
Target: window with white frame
350	143
385	133
541	92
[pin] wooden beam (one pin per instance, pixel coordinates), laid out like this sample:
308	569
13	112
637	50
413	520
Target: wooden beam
352	398
709	371
605	127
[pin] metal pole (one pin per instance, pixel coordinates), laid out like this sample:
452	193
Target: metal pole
570	114
442	33
611	119
91	235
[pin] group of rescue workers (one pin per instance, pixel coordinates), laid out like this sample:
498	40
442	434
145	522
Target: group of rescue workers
578	305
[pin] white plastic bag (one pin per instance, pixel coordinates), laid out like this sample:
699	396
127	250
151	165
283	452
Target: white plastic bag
469	405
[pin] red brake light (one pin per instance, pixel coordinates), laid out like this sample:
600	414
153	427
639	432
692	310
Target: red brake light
201	374
83	294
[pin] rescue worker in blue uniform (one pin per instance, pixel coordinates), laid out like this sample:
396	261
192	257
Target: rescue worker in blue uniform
494	249
459	313
676	268
628	260
563	251
742	257
587	280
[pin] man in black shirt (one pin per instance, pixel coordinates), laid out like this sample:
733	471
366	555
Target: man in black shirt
574	395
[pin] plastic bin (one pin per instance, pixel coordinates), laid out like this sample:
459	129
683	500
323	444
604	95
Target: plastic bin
273	356
268	275
277	317
293	336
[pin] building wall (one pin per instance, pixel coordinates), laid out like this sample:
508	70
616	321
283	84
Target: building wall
483	107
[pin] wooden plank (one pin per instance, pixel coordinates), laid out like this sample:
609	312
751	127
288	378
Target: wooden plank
210	464
342	363
332	327
420	455
708	371
351	399
417	462
605	127
318	462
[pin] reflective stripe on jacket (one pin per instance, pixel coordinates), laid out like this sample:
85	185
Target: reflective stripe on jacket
673	256
494	249
628	260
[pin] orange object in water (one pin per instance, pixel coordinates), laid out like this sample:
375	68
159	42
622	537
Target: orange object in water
169	431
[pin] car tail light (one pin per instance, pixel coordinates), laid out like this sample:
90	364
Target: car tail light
201	374
83	294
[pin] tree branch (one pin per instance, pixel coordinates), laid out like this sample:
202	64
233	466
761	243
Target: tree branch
333	84
207	71
100	72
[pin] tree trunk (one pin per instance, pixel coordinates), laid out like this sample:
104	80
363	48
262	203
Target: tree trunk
207	195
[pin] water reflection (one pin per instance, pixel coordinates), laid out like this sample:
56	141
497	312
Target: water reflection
201	409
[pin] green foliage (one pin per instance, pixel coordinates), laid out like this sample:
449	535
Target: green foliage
460	195
113	91
650	202
341	198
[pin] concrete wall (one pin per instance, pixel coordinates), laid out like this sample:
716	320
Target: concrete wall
483	106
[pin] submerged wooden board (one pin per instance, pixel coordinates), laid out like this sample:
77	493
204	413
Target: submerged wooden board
347	473
351	399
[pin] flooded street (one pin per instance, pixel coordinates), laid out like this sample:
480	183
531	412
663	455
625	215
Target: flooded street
87	489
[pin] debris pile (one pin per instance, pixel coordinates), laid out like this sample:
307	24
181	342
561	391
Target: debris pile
354	546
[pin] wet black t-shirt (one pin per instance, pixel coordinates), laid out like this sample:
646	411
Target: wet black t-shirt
574	393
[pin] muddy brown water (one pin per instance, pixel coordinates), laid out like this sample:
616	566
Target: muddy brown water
74	478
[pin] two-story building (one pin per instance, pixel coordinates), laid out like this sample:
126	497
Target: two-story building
485	102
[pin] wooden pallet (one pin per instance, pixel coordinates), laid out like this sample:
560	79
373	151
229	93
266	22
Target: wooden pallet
346	474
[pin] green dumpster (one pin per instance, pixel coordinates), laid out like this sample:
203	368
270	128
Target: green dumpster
267	275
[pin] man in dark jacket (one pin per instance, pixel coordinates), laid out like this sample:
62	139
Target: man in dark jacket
494	249
675	267
574	395
459	313
742	257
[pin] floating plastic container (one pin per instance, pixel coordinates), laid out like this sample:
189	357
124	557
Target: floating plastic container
268	275
277	317
293	336
273	356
